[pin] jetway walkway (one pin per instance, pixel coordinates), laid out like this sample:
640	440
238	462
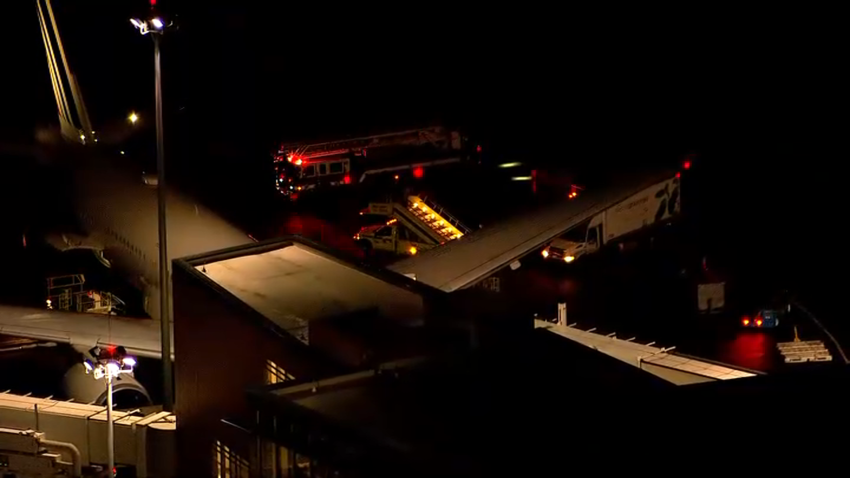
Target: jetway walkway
143	441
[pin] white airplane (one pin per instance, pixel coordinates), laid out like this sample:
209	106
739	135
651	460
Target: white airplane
116	211
115	203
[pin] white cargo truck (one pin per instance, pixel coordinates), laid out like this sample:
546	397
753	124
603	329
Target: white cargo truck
656	204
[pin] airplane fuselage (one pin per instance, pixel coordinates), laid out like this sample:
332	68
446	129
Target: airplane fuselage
117	213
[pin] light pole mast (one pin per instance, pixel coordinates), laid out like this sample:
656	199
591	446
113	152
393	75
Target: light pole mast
164	277
110	427
156	26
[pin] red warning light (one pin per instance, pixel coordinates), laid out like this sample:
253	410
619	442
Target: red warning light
687	165
153	3
678	175
346	179
478	149
418	172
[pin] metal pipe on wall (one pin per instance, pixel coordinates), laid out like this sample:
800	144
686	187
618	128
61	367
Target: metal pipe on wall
76	457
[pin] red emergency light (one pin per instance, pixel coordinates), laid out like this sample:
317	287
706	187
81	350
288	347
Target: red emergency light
418	172
686	165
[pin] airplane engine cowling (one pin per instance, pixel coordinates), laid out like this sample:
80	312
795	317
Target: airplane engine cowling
127	392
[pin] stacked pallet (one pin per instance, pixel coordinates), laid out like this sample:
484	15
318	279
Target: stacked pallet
804	351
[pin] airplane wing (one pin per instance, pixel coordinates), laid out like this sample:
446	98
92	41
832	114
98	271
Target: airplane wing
465	261
141	337
663	362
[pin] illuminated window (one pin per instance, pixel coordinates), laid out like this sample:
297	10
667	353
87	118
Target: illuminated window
228	464
276	374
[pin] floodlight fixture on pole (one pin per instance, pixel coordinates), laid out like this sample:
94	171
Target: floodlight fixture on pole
108	364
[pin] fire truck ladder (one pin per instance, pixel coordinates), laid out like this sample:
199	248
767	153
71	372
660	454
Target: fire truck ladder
438	136
437	218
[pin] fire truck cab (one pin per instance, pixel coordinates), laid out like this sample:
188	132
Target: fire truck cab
304	175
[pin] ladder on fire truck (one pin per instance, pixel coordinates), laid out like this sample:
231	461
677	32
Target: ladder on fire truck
439	137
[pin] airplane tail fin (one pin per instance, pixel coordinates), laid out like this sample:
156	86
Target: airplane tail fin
74	124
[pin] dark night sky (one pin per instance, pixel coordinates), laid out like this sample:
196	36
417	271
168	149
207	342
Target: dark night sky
284	72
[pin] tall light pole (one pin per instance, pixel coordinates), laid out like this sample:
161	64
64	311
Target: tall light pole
156	26
109	363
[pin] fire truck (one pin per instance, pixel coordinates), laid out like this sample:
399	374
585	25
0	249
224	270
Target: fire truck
308	166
